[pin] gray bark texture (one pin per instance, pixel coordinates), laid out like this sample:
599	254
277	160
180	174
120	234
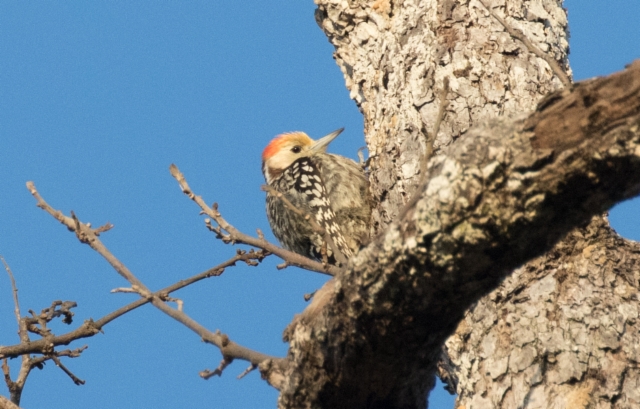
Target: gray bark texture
518	171
395	56
560	332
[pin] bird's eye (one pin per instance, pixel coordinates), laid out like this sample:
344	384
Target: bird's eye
296	149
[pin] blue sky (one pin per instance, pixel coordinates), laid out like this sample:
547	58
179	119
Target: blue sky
97	99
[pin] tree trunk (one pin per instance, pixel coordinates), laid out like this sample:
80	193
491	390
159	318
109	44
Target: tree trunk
561	332
396	55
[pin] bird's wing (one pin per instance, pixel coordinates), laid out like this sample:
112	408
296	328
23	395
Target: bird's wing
308	182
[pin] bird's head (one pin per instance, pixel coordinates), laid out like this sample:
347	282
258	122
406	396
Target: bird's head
285	149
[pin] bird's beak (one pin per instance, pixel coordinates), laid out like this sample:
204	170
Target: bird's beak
321	144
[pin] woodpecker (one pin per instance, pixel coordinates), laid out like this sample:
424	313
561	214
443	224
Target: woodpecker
331	189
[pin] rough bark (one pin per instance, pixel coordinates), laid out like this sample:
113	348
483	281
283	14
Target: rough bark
395	56
492	201
495	197
561	332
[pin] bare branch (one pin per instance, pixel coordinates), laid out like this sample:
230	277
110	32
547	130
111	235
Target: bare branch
89	236
15	388
228	348
7	404
90	328
72	353
46	345
7	375
236	236
212	272
66	370
14	289
178	301
124	290
247	371
206	374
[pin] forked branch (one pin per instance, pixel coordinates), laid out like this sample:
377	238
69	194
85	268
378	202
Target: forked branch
228	348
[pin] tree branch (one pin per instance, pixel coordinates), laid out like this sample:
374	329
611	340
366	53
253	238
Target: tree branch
14	291
7	404
235	236
16	387
228	348
90	328
504	193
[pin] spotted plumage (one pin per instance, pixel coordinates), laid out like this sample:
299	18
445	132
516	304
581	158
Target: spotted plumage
331	189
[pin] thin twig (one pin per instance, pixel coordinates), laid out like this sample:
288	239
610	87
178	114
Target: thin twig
361	159
39	361
17	387
178	301
72	353
66	370
206	374
124	290
89	236
236	236
7	378
247	371
227	347
14	289
519	35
